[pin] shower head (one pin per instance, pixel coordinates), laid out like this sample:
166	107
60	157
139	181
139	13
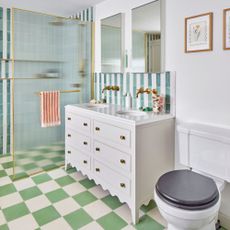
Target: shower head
57	22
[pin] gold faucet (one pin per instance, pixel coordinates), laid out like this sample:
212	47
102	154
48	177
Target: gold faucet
109	87
147	90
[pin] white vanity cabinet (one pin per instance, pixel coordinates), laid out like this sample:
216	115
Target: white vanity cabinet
121	155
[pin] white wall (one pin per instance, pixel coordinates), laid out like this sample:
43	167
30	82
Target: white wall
203	79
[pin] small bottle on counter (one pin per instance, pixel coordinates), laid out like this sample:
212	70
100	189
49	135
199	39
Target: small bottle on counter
128	101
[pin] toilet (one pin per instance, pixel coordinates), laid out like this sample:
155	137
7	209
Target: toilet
189	199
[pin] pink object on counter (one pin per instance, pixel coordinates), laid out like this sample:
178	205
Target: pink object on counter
50	108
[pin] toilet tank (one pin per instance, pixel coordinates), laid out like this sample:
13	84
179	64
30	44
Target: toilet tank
205	148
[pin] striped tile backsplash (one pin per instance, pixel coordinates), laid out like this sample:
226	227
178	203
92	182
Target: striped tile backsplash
129	83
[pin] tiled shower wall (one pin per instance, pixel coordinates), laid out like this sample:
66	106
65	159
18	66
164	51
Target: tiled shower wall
164	83
5	40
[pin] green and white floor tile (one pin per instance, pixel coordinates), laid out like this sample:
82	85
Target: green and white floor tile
42	158
63	200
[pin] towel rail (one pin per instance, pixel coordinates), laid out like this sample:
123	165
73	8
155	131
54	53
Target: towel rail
64	91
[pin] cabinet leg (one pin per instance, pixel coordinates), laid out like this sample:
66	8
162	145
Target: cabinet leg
66	166
135	215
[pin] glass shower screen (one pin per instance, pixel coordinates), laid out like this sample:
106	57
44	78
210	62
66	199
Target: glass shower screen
49	53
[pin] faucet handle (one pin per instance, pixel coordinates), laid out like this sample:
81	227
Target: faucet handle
154	91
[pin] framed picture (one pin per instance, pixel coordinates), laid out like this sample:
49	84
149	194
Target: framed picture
226	29
199	33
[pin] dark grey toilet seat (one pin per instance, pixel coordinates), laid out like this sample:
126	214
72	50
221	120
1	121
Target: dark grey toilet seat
187	190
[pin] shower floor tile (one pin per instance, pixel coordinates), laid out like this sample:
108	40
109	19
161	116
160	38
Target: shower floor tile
42	158
61	199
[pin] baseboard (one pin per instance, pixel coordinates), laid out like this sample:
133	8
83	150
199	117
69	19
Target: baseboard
224	220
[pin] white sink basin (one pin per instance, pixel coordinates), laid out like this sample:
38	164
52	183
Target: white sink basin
132	113
94	106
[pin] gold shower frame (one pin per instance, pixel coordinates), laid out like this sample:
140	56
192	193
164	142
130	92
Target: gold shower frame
12	59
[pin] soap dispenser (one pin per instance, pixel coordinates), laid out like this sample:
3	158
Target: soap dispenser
128	100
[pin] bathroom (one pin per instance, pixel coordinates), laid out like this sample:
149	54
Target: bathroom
200	78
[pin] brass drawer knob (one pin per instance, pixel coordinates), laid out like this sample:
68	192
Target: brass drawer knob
69	118
97	170
122	185
69	135
85	162
69	152
85	143
98	149
122	161
85	124
97	129
122	137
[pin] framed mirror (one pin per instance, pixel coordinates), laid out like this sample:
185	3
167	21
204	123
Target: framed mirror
111	44
146	38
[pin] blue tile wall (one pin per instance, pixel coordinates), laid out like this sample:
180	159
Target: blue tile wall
1	32
1	56
8	11
6	63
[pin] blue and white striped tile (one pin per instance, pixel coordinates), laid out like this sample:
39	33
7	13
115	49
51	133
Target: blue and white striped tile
163	82
150	100
146	85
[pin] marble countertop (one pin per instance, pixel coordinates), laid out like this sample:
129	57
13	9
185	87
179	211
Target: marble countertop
116	111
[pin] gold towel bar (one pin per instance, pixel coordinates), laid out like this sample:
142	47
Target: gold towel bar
64	91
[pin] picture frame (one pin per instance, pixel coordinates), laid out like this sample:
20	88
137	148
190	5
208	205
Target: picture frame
199	33
226	29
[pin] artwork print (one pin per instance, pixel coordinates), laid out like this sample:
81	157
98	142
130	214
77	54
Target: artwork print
226	29
198	33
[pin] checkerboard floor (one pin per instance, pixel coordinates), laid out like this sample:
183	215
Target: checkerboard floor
63	200
43	158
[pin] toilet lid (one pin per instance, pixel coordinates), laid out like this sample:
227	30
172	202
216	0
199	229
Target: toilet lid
187	190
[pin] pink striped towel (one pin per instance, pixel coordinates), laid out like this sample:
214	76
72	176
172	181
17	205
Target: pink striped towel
50	108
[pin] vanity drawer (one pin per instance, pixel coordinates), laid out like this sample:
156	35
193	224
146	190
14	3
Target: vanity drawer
77	140
77	159
108	175
78	123
112	156
118	135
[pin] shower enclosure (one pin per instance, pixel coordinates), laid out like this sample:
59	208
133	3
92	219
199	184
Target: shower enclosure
47	53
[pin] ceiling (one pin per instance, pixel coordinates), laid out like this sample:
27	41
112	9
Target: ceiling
56	7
